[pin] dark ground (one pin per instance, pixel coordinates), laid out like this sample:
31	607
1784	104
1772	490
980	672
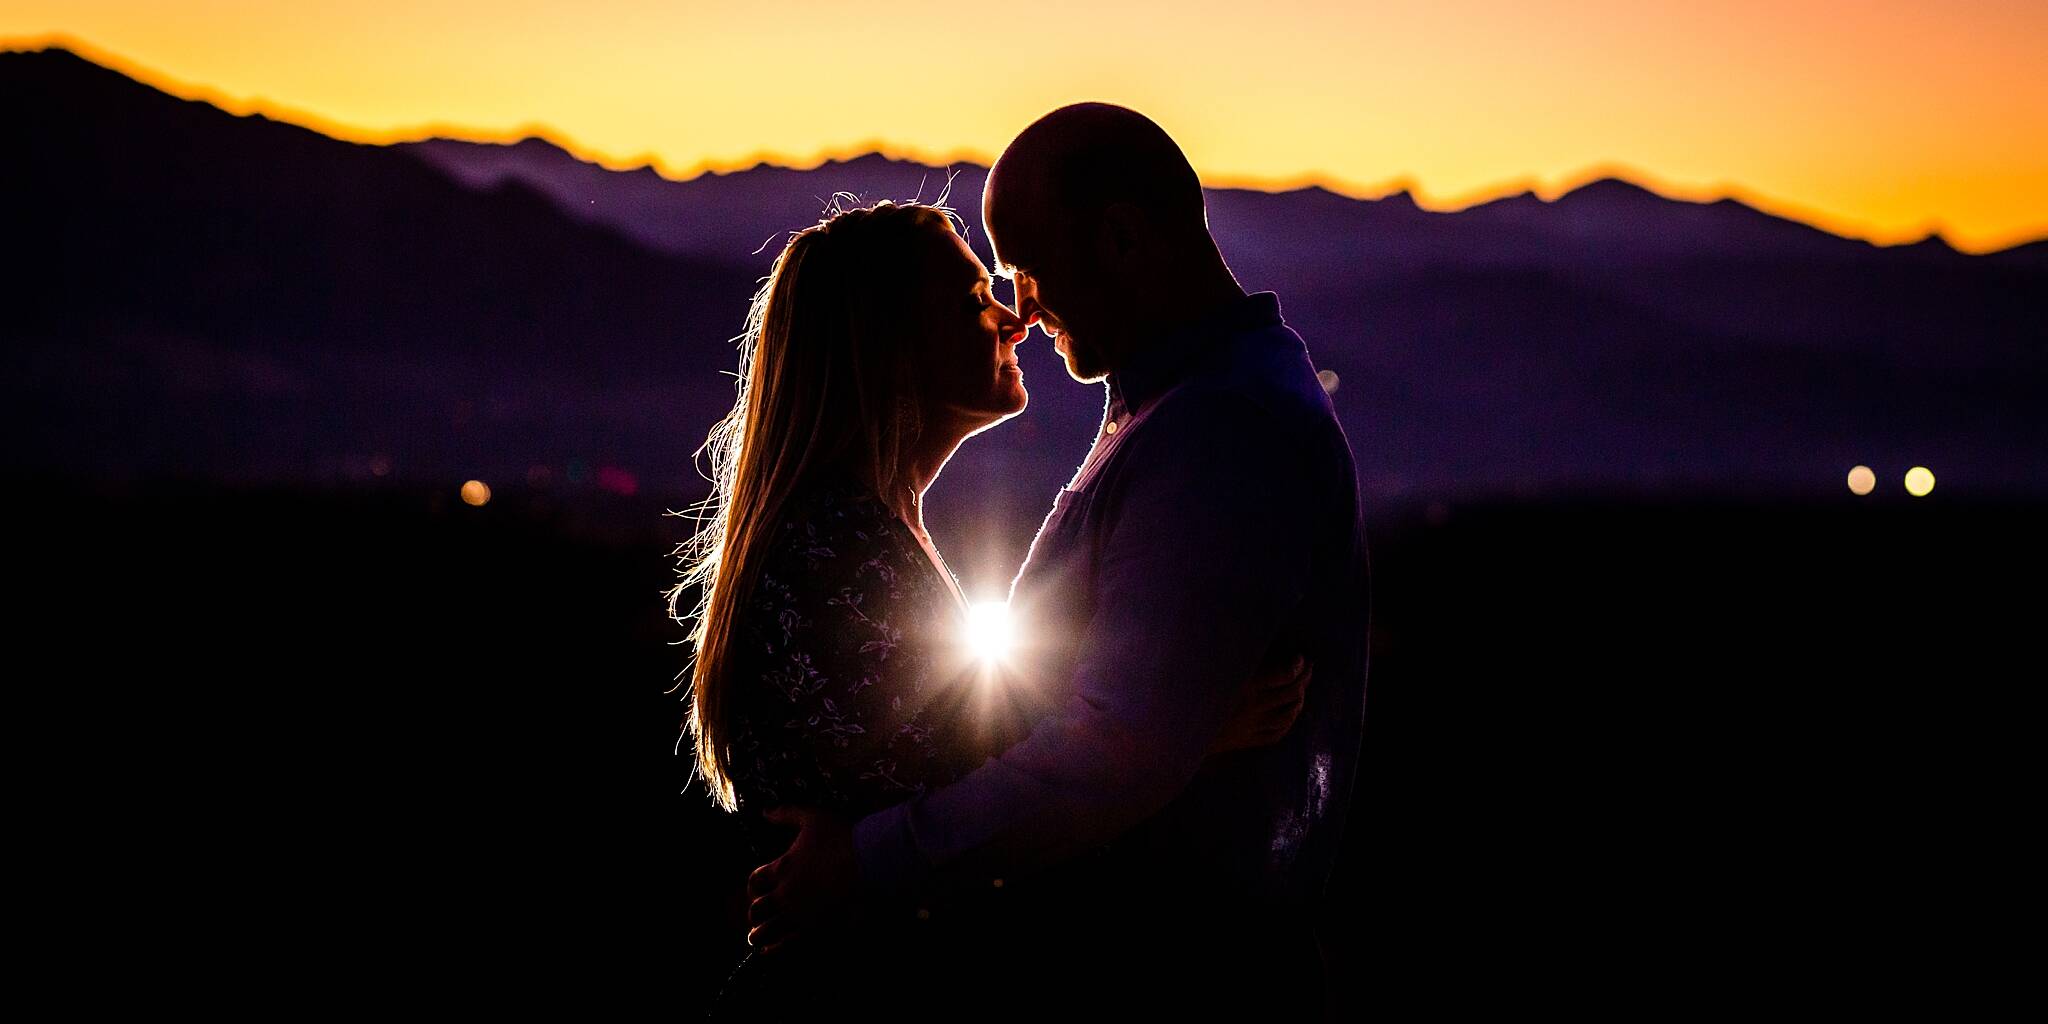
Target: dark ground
362	746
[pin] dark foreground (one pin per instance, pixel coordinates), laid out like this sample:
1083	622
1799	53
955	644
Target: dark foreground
377	748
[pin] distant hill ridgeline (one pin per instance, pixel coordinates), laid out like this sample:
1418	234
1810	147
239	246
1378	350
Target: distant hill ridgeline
234	298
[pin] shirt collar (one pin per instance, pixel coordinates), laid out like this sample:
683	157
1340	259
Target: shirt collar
1163	363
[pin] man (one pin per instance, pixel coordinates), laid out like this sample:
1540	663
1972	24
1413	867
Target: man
1216	519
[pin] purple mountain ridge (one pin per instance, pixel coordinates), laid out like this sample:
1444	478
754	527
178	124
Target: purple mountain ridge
232	297
715	216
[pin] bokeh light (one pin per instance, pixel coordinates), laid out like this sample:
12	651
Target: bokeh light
1862	480
476	492
617	481
1919	481
1329	381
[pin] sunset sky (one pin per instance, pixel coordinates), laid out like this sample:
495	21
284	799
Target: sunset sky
1879	119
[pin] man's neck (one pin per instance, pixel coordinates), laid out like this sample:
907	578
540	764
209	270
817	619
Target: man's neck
1214	293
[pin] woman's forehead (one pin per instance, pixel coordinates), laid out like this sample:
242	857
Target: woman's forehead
959	260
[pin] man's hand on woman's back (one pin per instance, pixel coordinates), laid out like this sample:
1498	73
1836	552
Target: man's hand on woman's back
1267	708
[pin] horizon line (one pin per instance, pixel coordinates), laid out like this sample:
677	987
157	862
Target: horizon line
1336	184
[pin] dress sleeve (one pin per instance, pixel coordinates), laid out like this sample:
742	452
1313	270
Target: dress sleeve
844	694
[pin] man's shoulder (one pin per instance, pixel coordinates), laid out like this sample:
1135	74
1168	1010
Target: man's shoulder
1261	380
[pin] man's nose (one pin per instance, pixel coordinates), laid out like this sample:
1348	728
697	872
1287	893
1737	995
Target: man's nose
1027	301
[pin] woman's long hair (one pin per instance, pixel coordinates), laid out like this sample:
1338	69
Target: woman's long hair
828	379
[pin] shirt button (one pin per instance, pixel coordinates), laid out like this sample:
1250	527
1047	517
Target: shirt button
1110	427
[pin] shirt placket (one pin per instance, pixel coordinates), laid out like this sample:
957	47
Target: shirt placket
1115	420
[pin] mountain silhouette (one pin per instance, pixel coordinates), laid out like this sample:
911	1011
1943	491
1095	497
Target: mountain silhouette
235	297
714	216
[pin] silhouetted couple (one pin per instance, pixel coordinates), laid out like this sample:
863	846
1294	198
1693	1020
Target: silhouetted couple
1139	809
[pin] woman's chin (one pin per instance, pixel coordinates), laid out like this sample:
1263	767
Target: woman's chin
1010	395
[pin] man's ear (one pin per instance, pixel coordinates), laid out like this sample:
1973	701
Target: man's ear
1121	237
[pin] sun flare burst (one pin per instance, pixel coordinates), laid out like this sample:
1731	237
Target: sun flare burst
989	630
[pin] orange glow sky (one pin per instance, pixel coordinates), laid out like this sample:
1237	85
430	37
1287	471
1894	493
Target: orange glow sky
1880	119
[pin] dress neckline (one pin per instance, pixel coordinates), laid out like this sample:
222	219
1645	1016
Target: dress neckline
937	560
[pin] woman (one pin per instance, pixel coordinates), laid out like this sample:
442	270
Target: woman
829	667
827	619
828	670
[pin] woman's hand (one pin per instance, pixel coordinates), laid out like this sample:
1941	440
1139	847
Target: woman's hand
1267	708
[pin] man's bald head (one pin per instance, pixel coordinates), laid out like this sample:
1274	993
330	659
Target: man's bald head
1097	217
1077	161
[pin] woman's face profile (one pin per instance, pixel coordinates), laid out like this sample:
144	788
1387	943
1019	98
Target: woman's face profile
970	338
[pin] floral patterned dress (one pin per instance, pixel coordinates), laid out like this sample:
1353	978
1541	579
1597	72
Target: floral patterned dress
852	688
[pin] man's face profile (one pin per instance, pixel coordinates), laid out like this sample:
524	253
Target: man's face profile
1054	288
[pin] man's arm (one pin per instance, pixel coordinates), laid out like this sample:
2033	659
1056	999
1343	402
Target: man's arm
1209	551
824	896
